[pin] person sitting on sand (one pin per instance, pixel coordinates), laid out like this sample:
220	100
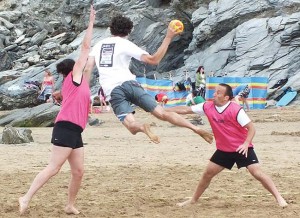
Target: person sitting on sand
161	99
193	99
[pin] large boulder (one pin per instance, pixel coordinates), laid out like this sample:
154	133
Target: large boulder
12	135
6	62
40	116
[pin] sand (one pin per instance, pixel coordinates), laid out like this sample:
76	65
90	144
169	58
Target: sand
128	176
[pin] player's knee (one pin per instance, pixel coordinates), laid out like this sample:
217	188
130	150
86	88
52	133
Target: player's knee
53	170
78	173
208	174
164	115
160	113
257	174
131	129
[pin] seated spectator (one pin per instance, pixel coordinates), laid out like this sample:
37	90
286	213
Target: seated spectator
193	98
161	99
57	97
47	87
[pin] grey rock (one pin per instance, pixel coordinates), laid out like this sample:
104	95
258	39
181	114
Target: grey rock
199	15
95	121
11	16
6	23
6	62
154	3
40	116
233	38
4	30
12	135
39	37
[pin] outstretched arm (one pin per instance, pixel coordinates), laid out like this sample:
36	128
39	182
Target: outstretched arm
247	104
89	68
161	51
85	48
180	110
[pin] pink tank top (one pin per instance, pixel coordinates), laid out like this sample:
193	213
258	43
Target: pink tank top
229	134
76	102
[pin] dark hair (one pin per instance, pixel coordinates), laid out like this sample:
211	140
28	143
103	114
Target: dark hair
65	66
199	68
156	98
228	90
195	93
120	26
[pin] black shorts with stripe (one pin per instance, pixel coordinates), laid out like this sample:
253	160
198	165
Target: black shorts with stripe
228	159
67	134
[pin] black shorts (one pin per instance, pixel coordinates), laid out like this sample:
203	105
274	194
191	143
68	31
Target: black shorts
228	159
67	134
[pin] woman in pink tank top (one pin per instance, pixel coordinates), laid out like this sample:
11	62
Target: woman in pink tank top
66	136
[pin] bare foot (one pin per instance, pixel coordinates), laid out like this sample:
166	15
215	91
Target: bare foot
23	205
185	203
154	138
71	210
282	203
205	135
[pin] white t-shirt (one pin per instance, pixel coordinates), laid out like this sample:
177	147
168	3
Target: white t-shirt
112	58
189	97
242	117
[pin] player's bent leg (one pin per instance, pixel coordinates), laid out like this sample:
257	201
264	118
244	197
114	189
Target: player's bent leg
267	182
134	127
154	138
57	159
131	124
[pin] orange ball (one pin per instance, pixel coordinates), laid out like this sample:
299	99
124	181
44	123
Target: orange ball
177	25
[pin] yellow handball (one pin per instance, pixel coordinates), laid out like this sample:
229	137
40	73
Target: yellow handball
177	25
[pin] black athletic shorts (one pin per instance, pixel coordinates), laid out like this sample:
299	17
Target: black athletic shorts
228	159
67	134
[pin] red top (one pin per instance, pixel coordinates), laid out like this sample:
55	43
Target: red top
160	97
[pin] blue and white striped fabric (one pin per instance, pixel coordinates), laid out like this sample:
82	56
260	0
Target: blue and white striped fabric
153	87
257	85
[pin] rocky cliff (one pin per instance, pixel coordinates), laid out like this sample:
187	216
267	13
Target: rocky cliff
227	37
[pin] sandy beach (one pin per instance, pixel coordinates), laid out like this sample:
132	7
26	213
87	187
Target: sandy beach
128	176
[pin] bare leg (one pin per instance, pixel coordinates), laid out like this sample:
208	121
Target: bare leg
211	170
247	105
178	120
104	105
134	127
58	156
267	182
76	163
101	104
